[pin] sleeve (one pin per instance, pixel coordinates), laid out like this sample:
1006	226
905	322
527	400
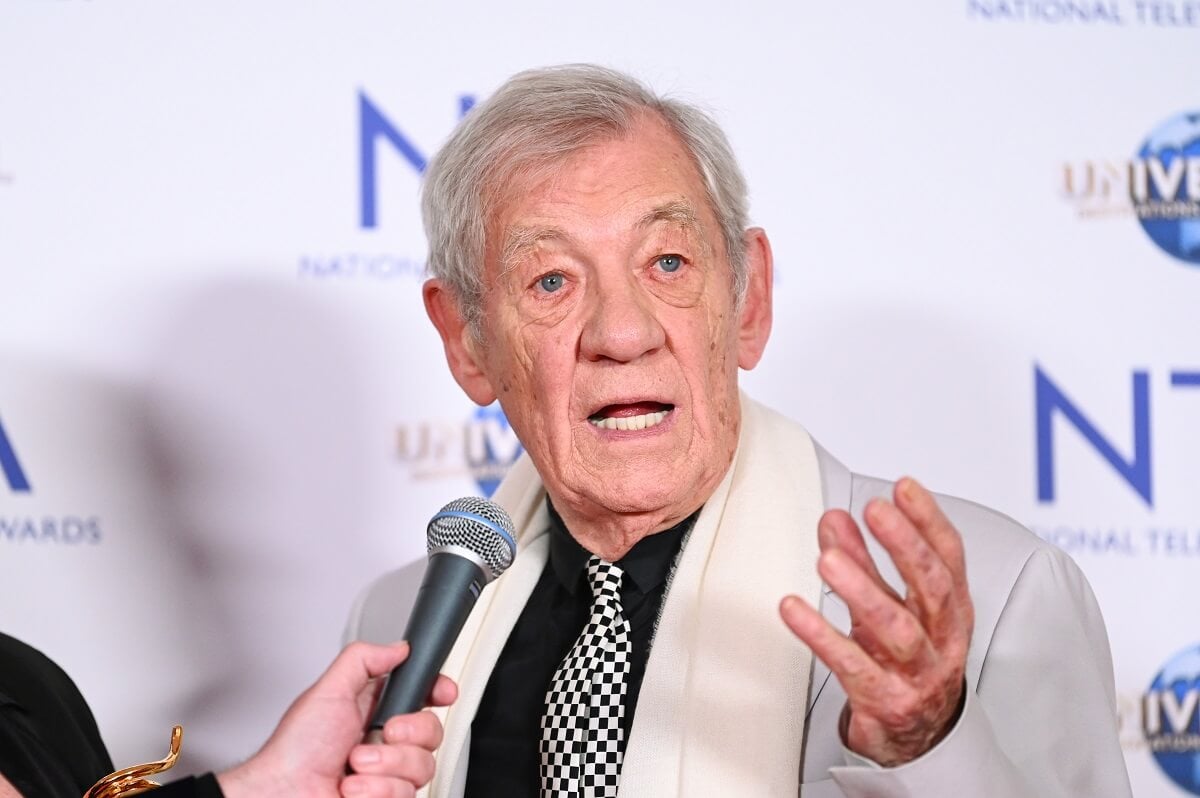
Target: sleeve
1042	722
380	613
205	786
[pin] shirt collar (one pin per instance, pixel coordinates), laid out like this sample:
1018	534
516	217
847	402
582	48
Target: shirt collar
646	565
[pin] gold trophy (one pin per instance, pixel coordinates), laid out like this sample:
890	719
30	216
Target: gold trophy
132	780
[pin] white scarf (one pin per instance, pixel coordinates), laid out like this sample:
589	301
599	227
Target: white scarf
722	705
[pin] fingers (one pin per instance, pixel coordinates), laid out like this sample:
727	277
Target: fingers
930	582
410	763
855	669
377	660
927	551
918	511
358	785
919	505
838	529
902	662
358	669
418	728
357	665
444	693
402	764
889	628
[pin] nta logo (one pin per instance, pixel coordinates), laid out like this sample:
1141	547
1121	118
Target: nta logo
1051	401
11	466
1160	185
372	125
66	529
375	129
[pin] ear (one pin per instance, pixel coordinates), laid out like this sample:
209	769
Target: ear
754	326
462	350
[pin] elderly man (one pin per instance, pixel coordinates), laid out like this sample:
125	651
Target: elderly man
595	273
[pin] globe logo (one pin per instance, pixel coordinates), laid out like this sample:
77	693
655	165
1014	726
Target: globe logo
1171	723
1165	187
492	447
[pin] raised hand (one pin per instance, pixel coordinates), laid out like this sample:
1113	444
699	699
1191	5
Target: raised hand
902	663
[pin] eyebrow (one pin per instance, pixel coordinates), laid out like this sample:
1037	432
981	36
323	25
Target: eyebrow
678	212
520	241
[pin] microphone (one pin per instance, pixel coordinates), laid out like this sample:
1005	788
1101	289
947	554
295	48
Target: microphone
471	541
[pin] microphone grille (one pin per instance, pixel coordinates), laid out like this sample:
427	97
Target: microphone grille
478	525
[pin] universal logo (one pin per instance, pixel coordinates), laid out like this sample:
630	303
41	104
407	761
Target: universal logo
1159	185
1164	721
482	447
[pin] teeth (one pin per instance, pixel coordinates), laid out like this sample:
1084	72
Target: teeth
630	422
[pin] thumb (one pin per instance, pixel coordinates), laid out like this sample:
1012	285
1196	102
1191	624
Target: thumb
357	665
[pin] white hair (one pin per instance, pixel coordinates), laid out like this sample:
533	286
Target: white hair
534	121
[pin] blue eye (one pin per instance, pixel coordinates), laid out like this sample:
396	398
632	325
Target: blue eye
670	263
551	282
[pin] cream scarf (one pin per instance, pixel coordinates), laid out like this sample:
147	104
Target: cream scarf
721	709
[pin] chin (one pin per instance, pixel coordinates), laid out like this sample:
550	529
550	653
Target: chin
639	495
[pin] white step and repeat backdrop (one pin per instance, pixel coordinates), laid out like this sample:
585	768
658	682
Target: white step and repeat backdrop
223	412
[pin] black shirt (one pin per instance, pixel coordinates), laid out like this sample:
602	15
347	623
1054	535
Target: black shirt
504	735
49	743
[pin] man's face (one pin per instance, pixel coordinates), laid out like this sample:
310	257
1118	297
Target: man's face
610	331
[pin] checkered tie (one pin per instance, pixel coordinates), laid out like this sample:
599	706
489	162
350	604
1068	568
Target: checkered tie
581	730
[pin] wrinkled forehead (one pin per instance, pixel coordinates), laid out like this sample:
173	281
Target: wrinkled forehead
518	241
511	184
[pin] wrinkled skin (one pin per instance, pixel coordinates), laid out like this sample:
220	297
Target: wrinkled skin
609	296
609	293
902	664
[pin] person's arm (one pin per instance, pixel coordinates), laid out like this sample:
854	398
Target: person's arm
322	732
1043	722
205	786
6	788
903	661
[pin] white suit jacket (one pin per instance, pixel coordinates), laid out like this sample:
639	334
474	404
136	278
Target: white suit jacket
1040	719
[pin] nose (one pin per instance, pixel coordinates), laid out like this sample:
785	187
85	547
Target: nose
621	323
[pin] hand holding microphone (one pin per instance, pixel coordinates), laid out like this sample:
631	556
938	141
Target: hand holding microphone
308	751
470	542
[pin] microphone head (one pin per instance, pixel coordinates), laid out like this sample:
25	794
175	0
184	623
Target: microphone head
479	526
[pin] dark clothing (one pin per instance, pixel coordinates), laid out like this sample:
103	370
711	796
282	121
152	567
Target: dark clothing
49	744
504	755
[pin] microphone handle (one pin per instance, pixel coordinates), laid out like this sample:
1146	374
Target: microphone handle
448	592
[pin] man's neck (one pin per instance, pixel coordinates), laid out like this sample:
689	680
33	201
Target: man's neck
611	535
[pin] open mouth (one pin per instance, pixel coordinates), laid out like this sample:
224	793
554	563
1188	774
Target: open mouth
635	416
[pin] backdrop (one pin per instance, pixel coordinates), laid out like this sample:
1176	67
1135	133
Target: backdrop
223	412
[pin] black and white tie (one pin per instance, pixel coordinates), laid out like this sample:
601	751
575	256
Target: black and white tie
581	730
